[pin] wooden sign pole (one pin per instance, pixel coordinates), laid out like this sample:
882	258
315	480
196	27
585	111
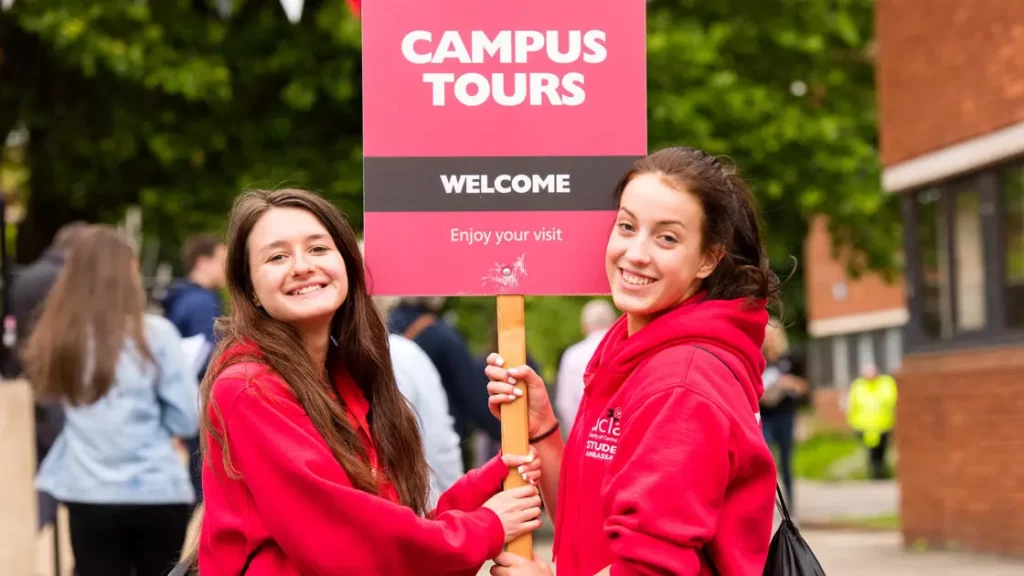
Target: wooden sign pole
515	432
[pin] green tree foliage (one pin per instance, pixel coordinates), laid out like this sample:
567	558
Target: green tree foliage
786	88
166	105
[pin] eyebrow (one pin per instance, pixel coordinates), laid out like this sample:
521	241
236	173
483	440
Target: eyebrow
659	223
282	243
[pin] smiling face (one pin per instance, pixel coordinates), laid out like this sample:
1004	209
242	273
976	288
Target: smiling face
297	273
654	257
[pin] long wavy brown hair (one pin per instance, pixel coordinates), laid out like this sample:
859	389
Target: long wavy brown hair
96	304
361	349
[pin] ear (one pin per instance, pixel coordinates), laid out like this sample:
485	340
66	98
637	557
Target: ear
710	261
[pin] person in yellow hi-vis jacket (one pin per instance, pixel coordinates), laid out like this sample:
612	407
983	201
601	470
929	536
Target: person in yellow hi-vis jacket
872	413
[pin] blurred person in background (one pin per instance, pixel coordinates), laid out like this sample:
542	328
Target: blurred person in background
784	388
418	319
119	373
871	404
420	383
29	288
596	318
192	305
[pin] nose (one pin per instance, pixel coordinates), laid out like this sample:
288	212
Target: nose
302	266
637	253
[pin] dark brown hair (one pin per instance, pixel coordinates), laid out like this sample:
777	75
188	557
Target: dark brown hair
361	349
731	220
196	247
96	302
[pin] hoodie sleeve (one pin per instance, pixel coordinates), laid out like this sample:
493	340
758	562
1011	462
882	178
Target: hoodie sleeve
307	502
474	488
668	481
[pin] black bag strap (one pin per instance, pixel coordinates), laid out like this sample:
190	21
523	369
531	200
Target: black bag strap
252	556
711	563
780	500
184	568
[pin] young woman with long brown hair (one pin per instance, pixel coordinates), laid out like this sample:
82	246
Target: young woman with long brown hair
665	470
128	395
313	463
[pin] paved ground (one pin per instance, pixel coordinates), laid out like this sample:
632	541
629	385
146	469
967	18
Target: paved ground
821	502
859	553
844	553
841	552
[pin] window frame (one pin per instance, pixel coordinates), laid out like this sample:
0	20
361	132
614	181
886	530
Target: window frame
990	184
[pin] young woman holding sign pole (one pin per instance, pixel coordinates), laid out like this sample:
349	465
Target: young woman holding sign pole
313	463
665	470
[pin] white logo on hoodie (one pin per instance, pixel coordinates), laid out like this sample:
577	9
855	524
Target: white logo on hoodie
603	439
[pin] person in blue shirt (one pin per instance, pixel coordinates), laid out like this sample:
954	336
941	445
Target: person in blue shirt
127	397
192	305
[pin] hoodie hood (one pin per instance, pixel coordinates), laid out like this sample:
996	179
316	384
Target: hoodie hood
732	330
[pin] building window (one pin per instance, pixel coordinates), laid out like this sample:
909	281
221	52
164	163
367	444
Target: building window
1013	233
819	362
969	249
934	266
836	361
893	349
965	267
840	365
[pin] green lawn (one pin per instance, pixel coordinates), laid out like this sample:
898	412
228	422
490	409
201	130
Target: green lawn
884	522
819	456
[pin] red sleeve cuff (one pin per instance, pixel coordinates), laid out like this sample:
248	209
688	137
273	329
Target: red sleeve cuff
474	488
491	476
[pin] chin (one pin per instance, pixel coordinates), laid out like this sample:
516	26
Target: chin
311	314
631	304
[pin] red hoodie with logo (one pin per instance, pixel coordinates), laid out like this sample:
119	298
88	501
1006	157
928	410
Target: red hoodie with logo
666	455
295	503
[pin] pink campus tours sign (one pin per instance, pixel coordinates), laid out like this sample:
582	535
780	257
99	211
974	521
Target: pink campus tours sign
494	134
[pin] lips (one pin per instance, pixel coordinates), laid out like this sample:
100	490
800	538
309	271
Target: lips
634	279
307	289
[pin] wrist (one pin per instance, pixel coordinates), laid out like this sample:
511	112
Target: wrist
544	424
545	433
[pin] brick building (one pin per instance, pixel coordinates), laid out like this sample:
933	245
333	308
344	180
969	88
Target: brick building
850	321
951	96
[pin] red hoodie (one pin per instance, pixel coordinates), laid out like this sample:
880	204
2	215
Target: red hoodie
666	455
296	501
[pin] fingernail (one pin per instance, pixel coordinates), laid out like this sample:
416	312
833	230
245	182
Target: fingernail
511	380
511	371
530	457
518	392
500	361
520	470
511	396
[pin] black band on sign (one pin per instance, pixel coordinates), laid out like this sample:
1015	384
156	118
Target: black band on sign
485	184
